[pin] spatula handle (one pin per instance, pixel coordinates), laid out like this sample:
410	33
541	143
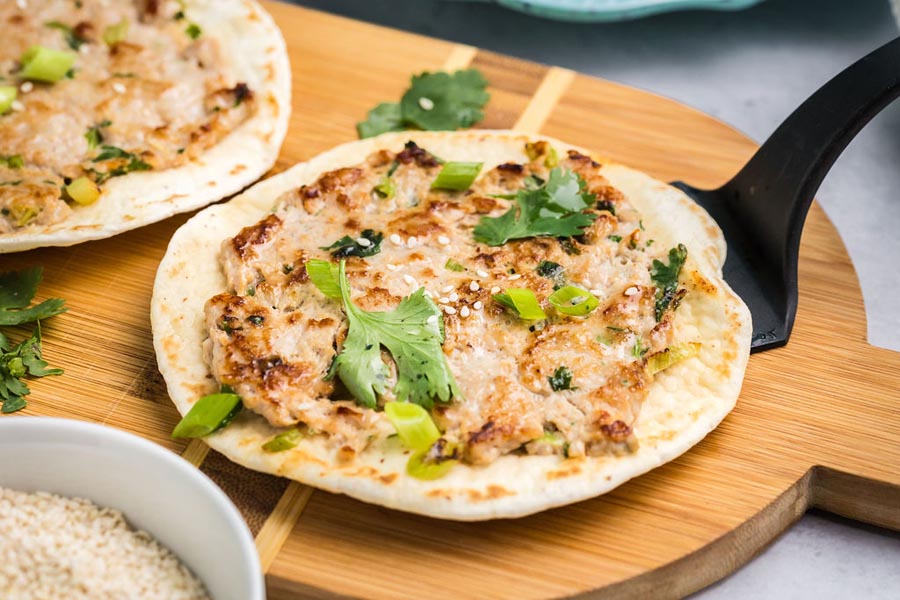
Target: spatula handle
772	194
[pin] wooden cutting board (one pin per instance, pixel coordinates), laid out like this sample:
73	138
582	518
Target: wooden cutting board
817	423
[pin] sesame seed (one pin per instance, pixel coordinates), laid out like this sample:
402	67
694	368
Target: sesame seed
448	288
449	310
392	267
596	292
454	297
117	87
21	4
426	103
478	305
481	273
514	276
395	239
365	243
443	240
409	279
631	291
26	87
474	286
444	300
17	105
412	241
464	312
431	319
84	48
495	290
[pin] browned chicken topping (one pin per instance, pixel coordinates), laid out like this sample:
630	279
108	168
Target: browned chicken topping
154	99
570	385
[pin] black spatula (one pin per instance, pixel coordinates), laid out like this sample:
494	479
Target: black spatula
762	209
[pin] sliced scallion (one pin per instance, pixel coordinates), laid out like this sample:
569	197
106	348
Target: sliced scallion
421	466
46	64
283	441
672	355
83	191
208	414
8	95
571	300
452	265
456	176
385	187
523	301
114	34
414	425
324	276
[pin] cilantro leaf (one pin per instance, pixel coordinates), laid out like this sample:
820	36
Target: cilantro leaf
561	380
381	119
112	152
665	277
73	38
441	101
552	208
17	289
367	244
94	136
23	359
412	333
434	101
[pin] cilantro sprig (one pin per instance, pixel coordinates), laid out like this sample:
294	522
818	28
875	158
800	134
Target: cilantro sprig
412	333
665	277
17	290
434	101
552	208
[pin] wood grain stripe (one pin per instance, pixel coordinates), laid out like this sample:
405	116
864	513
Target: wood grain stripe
196	452
281	522
460	57
555	84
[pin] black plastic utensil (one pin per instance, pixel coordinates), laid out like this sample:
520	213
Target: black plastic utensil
762	209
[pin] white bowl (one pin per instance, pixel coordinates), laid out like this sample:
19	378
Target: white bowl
156	490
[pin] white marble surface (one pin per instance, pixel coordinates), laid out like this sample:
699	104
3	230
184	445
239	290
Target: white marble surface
750	69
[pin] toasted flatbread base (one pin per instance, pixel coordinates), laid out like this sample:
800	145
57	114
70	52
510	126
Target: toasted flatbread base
685	403
254	47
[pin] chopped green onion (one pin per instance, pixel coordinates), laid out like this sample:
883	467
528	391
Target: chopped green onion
414	425
114	34
283	441
422	468
552	159
209	414
193	31
83	191
523	301
324	276
671	355
8	95
14	161
45	64
553	438
452	265
385	187
456	176
570	300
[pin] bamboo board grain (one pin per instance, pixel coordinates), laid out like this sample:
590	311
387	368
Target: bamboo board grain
816	423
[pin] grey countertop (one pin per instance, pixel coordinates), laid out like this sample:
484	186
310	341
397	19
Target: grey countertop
750	69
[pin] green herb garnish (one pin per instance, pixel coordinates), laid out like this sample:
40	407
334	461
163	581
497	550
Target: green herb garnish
665	277
561	380
324	276
552	208
17	290
193	31
552	271
571	300
412	333
209	414
452	265
458	176
72	38
434	101
283	441
93	135
367	244
14	161
134	163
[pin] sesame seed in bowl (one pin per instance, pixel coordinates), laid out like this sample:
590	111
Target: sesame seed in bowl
88	511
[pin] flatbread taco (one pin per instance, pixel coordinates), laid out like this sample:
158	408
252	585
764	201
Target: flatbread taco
465	325
114	115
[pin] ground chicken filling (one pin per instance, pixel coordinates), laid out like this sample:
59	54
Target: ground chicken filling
568	385
148	90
